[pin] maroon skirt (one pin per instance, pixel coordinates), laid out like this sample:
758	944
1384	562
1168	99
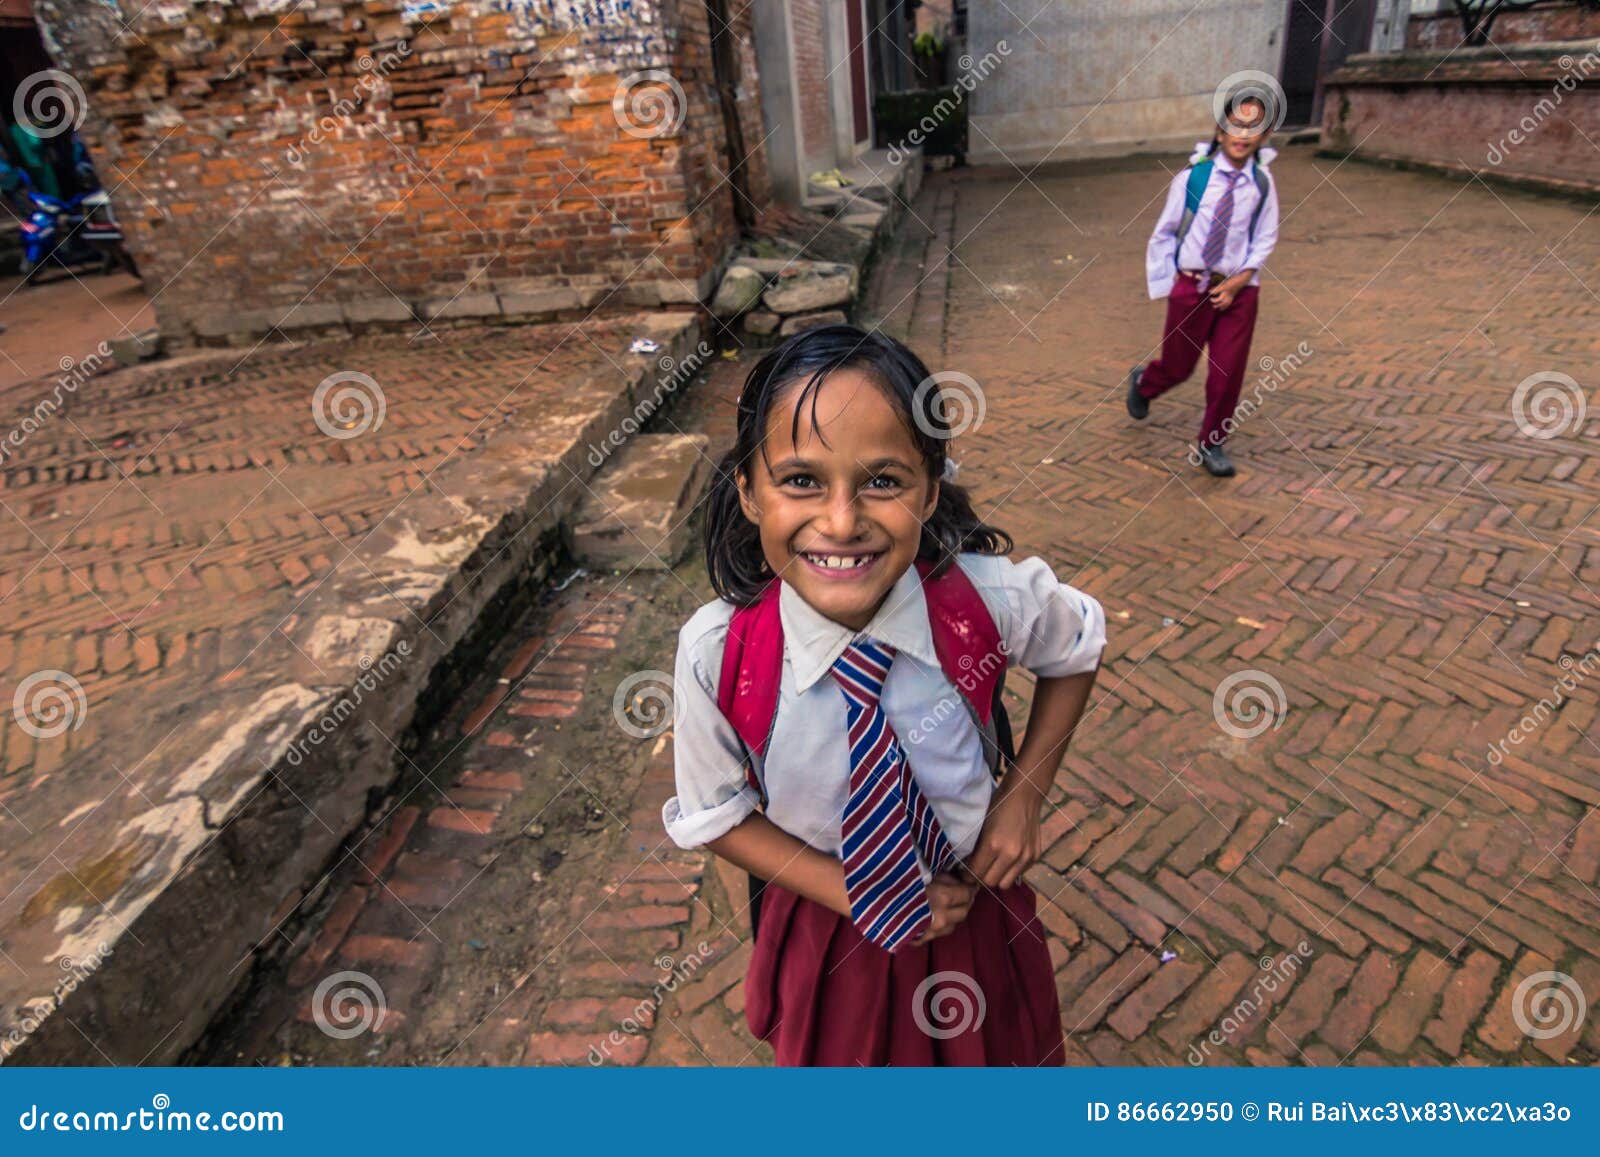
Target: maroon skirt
983	995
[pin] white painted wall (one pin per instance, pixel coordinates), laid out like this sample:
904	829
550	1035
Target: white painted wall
1099	77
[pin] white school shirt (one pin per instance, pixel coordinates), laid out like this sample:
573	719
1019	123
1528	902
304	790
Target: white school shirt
1241	251
1045	626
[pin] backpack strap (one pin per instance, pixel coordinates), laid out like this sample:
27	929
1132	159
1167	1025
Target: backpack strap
964	636
965	639
1263	186
1195	191
752	667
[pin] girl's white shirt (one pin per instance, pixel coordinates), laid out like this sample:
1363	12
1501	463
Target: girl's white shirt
1242	251
1045	626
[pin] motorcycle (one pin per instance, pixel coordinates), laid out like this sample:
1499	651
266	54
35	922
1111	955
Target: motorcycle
81	230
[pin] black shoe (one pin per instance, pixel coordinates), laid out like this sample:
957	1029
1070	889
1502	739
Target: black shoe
1216	461
1138	406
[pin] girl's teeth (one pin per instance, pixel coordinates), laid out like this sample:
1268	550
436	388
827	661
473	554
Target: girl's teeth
839	561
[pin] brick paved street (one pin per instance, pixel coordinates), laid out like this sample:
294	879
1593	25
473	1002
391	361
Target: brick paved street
1339	875
65	317
202	554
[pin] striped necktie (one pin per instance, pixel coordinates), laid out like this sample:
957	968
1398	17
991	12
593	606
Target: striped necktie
887	822
1217	239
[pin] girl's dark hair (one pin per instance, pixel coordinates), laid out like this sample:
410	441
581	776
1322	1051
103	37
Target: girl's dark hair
734	558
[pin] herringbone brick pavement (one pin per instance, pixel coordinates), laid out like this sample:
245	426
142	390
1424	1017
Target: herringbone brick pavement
201	555
159	509
1333	801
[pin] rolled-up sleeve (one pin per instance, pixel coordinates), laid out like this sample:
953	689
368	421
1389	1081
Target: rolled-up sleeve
709	758
1048	627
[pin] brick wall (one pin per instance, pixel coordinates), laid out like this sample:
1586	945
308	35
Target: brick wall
1526	112
1441	31
811	76
301	163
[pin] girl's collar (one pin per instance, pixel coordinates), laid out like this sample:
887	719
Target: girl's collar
813	641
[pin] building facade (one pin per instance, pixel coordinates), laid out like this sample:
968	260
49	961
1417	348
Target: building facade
1083	78
282	165
1524	107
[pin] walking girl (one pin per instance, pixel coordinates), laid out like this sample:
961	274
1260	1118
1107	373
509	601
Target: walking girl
1216	231
839	732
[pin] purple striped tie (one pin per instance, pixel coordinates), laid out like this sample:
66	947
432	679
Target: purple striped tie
887	822
1217	239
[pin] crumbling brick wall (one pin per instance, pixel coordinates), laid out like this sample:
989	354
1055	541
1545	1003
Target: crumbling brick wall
307	163
1441	31
1524	112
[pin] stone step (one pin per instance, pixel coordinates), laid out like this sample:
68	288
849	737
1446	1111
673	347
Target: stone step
134	899
638	509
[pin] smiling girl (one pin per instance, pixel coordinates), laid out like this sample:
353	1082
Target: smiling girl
838	729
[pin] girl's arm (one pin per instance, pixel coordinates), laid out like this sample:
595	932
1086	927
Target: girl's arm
765	850
1159	265
1009	841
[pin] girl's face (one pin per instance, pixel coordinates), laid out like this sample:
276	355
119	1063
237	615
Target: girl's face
842	521
1244	132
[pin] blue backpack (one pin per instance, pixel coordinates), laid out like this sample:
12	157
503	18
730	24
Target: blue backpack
1199	178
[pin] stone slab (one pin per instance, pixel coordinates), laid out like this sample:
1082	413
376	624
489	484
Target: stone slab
637	511
260	605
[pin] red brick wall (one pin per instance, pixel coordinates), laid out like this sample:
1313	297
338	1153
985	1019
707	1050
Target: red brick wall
1528	117
811	76
1441	31
487	159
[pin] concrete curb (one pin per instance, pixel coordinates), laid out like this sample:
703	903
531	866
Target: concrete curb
275	772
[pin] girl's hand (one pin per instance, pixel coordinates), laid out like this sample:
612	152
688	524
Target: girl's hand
1009	841
1222	296
951	900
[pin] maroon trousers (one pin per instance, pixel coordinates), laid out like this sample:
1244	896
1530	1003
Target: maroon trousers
1194	324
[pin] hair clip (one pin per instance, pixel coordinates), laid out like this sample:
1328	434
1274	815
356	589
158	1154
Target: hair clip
951	469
